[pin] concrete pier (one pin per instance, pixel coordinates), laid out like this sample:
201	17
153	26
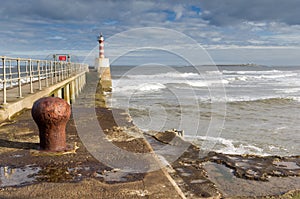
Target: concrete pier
103	69
26	80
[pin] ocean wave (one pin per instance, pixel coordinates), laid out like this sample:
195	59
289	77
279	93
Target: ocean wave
171	75
247	99
242	78
260	77
266	100
288	90
250	72
197	83
151	87
296	98
216	72
279	76
145	87
276	76
207	83
227	146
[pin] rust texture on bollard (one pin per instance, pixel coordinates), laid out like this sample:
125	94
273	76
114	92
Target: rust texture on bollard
51	115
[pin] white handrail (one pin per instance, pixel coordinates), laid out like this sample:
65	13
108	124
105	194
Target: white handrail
20	71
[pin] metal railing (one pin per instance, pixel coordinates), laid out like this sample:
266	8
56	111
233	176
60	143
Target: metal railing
16	72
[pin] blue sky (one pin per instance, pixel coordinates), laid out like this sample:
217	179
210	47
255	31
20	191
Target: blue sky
231	31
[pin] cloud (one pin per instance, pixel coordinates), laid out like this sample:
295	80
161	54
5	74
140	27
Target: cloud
56	38
74	25
228	12
270	56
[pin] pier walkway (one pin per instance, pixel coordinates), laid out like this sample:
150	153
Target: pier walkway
23	81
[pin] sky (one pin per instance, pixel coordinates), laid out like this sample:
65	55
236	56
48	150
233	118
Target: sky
265	32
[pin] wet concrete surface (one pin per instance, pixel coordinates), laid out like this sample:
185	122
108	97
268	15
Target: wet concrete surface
18	162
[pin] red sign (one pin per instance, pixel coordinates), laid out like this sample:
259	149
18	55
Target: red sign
62	58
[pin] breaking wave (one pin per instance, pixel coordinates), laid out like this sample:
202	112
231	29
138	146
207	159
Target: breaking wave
228	146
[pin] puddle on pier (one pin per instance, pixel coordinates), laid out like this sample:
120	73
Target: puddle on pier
10	176
115	176
230	185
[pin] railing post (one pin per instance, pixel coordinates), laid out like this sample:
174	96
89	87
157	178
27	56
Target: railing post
59	71
72	69
64	70
19	78
39	74
55	71
30	75
26	69
69	69
4	81
62	66
51	72
10	74
46	73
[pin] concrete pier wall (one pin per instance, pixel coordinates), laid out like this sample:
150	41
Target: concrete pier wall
103	69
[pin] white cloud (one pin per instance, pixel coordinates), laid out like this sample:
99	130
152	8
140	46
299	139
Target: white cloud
56	38
179	11
257	42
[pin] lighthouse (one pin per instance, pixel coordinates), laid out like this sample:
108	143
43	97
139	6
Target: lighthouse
103	67
101	46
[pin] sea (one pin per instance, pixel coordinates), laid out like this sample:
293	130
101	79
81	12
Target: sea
232	109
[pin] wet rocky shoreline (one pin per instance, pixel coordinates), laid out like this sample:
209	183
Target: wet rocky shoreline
260	176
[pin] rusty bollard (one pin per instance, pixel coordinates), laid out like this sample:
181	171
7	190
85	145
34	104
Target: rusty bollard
51	115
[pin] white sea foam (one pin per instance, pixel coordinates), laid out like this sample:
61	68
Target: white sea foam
228	146
170	75
251	72
214	72
296	98
253	98
277	76
288	90
273	74
241	78
207	83
197	83
144	87
151	87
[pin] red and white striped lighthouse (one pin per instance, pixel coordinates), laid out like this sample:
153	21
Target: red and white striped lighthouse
103	67
101	46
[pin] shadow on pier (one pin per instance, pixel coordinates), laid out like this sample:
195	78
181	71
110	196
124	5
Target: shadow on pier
18	145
